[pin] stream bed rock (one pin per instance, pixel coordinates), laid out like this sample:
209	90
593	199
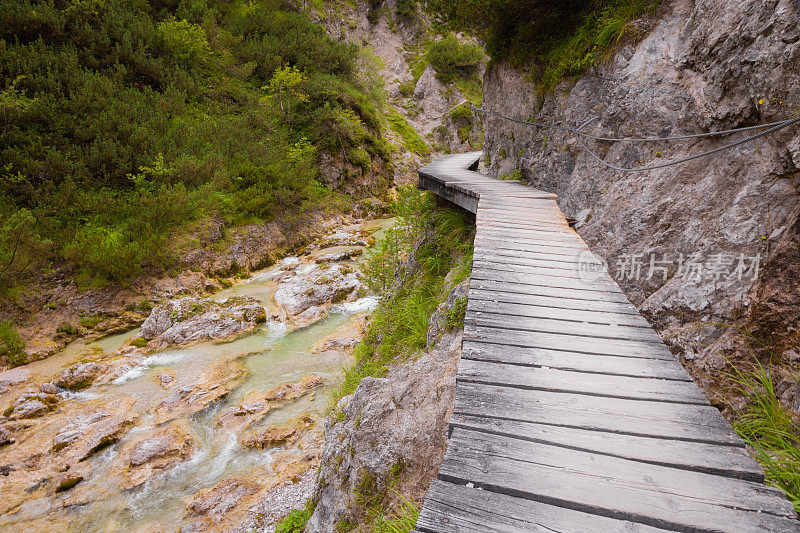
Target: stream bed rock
191	320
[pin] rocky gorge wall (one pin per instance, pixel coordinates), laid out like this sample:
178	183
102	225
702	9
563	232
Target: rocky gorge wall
703	66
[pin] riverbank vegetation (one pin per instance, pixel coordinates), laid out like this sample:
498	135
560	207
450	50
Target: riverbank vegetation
554	40
425	255
123	122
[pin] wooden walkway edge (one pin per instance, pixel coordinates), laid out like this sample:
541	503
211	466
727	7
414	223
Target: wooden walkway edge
571	415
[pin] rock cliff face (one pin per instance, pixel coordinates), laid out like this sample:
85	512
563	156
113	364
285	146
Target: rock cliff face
391	440
704	66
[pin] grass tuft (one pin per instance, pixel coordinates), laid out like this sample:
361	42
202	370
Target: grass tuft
411	139
770	431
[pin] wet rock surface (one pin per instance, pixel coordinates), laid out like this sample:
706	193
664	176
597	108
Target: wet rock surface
213	384
97	430
79	376
156	453
191	320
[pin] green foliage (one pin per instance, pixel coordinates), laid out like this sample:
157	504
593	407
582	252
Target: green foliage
594	41
455	315
406	8
402	520
558	38
139	342
453	59
771	431
185	42
11	344
295	521
284	86
124	122
20	243
514	176
409	266
411	139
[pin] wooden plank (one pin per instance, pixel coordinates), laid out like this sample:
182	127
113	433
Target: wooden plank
528	229
531	236
554	299
569	262
571	271
521	224
552	379
510	214
533	244
720	460
547	290
451	508
571	254
566	327
579	362
610	486
692	423
568	343
602	286
581	314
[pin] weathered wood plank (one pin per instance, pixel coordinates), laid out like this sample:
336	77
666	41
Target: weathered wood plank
503	244
556	270
579	362
548	290
558	325
601	285
532	236
556	380
581	314
453	508
487	257
720	460
571	254
556	299
645	418
569	343
610	486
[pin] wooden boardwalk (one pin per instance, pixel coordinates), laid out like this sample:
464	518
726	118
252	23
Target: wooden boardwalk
571	415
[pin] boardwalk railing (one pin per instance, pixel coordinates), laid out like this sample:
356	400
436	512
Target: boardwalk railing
571	415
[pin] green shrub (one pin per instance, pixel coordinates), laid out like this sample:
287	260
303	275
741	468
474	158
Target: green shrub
409	266
296	520
91	322
406	8
67	329
11	344
452	59
124	122
184	41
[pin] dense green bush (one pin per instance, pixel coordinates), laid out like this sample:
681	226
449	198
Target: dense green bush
406	8
122	122
452	59
11	344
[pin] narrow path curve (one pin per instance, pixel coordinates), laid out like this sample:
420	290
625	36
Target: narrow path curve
571	415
